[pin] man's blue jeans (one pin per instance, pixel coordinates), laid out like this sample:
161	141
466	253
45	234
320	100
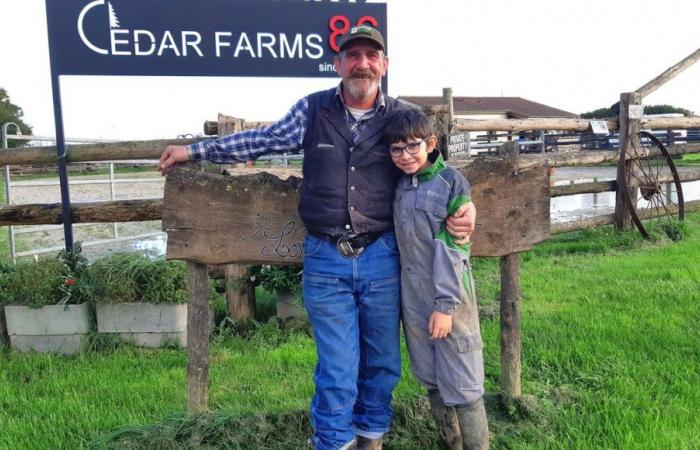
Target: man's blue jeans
353	306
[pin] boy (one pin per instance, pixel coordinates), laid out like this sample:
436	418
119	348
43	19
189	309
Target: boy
438	302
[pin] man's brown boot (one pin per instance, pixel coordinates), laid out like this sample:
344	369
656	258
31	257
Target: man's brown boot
474	425
447	423
364	443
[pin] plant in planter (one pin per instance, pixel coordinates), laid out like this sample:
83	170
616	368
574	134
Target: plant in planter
286	281
141	300
46	303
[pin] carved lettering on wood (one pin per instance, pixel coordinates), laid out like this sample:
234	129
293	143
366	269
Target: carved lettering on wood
277	242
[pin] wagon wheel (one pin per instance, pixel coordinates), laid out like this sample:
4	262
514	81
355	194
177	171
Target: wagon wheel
657	194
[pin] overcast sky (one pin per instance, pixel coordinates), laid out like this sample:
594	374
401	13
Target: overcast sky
576	56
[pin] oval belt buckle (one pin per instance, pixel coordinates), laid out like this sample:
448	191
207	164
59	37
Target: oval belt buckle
346	249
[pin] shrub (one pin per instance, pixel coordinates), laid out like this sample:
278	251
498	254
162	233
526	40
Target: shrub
277	278
131	277
48	281
36	284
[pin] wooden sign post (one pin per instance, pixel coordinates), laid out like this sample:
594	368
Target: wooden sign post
212	218
197	336
510	305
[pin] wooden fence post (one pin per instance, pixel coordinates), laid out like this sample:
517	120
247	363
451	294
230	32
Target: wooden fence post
447	99
629	127
197	336
240	293
445	142
510	306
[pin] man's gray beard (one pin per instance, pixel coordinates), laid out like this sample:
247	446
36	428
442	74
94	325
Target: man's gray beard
360	93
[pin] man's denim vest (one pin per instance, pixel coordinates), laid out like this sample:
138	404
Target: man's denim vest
348	187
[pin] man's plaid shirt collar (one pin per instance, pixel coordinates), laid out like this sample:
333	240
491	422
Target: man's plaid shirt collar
354	124
379	104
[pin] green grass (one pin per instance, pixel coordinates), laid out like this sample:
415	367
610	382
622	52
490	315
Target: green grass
690	159
611	360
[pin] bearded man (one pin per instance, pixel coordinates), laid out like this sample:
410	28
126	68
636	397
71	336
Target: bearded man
351	278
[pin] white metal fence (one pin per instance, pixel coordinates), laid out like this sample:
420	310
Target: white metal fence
111	181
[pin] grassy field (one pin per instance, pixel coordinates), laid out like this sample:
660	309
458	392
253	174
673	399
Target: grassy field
690	159
611	360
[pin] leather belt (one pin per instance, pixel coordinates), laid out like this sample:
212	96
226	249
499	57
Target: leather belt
347	245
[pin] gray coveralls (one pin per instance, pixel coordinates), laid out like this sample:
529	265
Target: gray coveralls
436	276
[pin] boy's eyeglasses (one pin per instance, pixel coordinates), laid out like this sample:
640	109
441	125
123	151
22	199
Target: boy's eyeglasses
411	148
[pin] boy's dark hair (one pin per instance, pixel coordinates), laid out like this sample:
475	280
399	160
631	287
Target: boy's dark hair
403	125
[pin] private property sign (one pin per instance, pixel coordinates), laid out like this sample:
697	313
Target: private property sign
264	38
458	144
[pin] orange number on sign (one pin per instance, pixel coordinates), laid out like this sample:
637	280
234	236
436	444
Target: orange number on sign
336	32
367	19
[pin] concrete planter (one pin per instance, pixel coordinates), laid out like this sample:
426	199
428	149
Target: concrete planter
54	328
288	307
144	324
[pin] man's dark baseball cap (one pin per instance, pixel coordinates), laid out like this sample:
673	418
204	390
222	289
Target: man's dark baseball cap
362	32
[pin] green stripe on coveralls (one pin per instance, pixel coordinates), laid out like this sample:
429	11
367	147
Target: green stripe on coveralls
448	240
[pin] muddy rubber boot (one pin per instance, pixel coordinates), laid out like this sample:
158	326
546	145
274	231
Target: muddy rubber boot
447	423
474	425
364	443
352	445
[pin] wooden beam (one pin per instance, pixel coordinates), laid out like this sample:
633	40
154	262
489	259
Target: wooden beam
668	74
607	186
582	188
116	151
92	212
197	337
527	124
670	123
562	124
260	211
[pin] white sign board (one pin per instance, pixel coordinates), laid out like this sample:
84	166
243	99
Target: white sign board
458	144
599	127
636	111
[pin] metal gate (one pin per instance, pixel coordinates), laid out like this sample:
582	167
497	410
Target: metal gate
111	180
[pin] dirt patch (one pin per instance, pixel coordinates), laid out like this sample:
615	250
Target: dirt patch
89	192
